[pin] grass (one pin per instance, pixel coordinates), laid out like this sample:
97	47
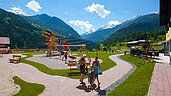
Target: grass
28	89
157	47
107	63
138	83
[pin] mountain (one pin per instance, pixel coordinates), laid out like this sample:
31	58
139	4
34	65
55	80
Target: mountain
103	33
22	34
55	24
143	27
84	36
107	30
64	31
110	24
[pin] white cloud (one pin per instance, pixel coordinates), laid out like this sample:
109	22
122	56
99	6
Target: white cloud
17	11
33	5
85	25
99	9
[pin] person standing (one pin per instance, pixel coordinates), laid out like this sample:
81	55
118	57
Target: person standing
65	57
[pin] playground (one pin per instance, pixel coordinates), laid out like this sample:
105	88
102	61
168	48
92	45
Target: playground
64	85
56	72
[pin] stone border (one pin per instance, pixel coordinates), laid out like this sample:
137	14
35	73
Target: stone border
118	82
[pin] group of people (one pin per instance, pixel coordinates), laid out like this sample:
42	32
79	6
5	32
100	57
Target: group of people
84	69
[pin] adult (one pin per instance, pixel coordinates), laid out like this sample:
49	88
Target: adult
96	66
82	62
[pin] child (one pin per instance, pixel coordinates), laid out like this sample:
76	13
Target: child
65	56
95	65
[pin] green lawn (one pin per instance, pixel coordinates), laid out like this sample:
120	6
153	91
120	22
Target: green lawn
107	63
28	89
138	83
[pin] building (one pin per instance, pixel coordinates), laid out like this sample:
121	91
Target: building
4	44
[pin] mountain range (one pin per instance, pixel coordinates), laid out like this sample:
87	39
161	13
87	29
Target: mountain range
103	33
55	24
26	32
143	27
22	34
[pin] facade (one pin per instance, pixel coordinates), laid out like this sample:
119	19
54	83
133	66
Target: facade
4	44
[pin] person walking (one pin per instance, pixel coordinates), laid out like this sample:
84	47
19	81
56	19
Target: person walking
82	62
96	66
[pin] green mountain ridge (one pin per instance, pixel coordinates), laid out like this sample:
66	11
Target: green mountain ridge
55	24
147	29
103	34
24	33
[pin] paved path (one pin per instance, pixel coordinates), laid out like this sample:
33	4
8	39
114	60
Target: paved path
161	79
63	86
55	62
7	86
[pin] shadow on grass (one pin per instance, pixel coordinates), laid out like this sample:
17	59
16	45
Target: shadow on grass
74	74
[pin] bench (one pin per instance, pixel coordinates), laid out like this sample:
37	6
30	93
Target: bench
15	59
73	66
2	52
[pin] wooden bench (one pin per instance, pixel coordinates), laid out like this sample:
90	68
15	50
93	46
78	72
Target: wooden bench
15	59
2	52
72	66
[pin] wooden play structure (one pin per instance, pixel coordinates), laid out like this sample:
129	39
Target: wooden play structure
73	64
52	42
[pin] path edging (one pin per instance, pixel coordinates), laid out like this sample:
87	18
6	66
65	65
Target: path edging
119	81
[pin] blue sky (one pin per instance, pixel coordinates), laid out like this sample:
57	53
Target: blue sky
83	15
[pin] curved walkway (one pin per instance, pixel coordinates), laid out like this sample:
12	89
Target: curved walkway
63	86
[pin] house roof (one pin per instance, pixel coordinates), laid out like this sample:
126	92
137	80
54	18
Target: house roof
139	41
4	40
